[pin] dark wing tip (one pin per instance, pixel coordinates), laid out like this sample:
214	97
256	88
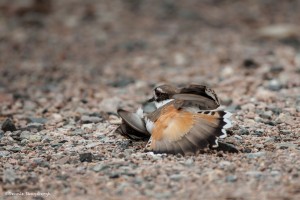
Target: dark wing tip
133	120
130	133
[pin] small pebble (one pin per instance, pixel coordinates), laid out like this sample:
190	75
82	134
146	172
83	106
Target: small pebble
274	85
283	118
87	126
244	131
35	138
90	119
256	174
258	132
4	153
276	68
15	149
9	175
266	115
35	125
286	146
122	82
271	123
257	119
100	167
189	162
270	140
25	134
231	178
36	120
255	155
285	132
85	157
238	137
176	177
275	173
250	63
78	132
114	175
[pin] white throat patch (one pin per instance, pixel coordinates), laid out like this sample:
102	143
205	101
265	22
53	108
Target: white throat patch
140	112
162	103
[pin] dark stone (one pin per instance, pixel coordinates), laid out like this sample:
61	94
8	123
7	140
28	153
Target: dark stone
247	150
283	147
63	141
115	175
84	101
250	63
271	123
85	157
56	145
8	125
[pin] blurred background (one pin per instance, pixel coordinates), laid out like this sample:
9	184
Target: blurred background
102	49
67	65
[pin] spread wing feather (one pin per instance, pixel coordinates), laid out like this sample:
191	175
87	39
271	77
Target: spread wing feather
181	136
203	103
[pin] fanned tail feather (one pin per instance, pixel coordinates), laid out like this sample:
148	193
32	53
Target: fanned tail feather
207	127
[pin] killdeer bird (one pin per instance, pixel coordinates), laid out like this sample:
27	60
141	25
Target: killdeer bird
183	120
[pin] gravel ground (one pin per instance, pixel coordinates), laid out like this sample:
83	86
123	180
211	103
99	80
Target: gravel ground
66	66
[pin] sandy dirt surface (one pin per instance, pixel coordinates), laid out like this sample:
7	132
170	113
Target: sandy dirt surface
66	66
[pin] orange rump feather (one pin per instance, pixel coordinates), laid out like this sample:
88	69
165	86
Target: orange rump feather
172	124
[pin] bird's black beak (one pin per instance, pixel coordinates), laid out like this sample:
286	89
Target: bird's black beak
151	100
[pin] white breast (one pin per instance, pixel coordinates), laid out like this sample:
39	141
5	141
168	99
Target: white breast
149	125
